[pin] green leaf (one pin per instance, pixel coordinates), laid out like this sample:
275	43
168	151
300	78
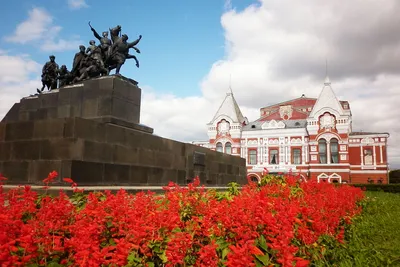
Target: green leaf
112	242
163	257
259	264
264	259
225	252
150	264
131	257
262	243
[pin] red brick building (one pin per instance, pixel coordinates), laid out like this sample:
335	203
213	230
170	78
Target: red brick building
309	136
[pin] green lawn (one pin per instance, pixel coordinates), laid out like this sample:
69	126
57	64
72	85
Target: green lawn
374	238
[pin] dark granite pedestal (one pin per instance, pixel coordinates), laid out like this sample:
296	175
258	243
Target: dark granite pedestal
91	132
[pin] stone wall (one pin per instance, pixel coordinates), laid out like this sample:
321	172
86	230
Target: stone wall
91	133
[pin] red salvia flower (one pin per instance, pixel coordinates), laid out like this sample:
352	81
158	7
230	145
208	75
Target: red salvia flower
68	180
186	226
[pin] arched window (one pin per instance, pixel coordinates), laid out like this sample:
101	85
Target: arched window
228	148
322	151
334	151
219	147
254	178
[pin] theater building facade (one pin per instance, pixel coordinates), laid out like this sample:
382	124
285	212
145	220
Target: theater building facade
311	137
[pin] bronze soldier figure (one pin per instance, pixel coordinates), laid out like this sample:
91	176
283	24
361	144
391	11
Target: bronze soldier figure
94	52
91	68
49	75
64	76
92	62
105	42
78	58
120	52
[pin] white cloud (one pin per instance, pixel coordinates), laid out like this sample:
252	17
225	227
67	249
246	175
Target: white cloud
19	77
182	119
38	29
32	29
276	50
77	4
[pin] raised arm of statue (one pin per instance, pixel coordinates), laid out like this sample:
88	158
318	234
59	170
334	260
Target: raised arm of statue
131	45
94	32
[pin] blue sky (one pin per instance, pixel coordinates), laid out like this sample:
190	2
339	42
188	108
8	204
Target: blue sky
181	38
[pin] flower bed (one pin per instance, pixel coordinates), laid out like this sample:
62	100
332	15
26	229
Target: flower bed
279	222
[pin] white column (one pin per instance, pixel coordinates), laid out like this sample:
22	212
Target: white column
374	155
328	152
306	151
380	150
361	155
286	154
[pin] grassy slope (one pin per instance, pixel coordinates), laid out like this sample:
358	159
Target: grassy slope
374	239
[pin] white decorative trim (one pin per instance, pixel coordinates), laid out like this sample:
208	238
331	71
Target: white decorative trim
369	171
252	142
359	166
367	140
335	176
223	140
322	176
330	165
329	170
303	178
274	141
328	136
359	144
296	141
327	121
285	110
273	125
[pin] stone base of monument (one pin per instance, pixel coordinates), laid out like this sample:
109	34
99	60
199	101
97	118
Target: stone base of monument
91	132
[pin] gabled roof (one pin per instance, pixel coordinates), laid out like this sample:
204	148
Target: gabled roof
297	102
296	115
229	108
327	98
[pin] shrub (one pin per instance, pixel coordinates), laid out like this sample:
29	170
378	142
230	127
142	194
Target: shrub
390	188
277	222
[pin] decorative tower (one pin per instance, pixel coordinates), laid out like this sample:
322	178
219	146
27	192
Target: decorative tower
329	126
225	129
